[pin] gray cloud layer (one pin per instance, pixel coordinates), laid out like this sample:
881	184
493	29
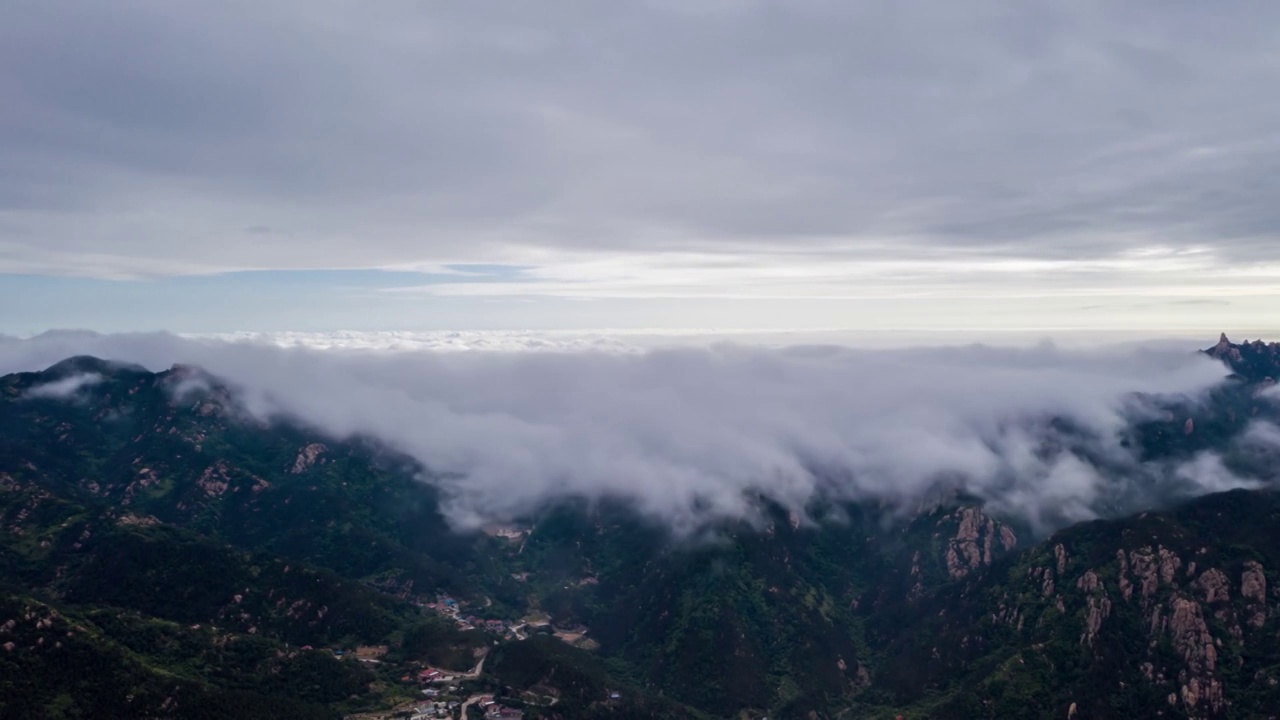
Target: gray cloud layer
689	434
145	137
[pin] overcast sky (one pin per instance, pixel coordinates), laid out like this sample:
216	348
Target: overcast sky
964	166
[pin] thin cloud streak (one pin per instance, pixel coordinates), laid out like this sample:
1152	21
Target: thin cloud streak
65	388
1153	272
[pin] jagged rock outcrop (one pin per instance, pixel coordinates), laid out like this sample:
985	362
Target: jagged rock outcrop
976	537
1191	639
1088	582
214	480
1148	569
307	457
1099	609
1253	588
1225	350
1253	583
1213	586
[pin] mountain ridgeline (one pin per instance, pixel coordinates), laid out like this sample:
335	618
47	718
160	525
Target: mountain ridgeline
164	553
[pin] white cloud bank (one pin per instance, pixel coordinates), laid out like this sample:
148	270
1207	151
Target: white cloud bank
689	434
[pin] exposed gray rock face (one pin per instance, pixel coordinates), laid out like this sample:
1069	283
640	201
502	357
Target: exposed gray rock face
1191	638
307	457
974	541
1253	588
1213	586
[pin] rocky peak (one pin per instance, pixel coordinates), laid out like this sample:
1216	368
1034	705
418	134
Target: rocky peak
1225	350
1255	361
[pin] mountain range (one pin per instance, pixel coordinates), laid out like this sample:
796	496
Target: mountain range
166	553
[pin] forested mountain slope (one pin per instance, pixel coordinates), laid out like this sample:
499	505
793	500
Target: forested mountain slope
165	552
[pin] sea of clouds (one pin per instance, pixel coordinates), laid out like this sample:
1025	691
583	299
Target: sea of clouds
691	433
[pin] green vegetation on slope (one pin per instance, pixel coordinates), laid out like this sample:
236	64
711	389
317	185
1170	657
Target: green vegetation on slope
192	552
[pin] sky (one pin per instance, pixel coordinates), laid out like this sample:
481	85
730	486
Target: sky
978	168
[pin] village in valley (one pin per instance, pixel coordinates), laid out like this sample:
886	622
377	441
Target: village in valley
508	630
452	694
449	693
444	693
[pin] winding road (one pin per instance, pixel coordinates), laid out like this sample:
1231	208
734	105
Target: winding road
470	701
474	675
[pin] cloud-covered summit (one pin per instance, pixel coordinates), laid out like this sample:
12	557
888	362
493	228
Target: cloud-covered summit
693	434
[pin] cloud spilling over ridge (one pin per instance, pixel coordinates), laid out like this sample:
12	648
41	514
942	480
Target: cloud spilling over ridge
692	434
66	387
